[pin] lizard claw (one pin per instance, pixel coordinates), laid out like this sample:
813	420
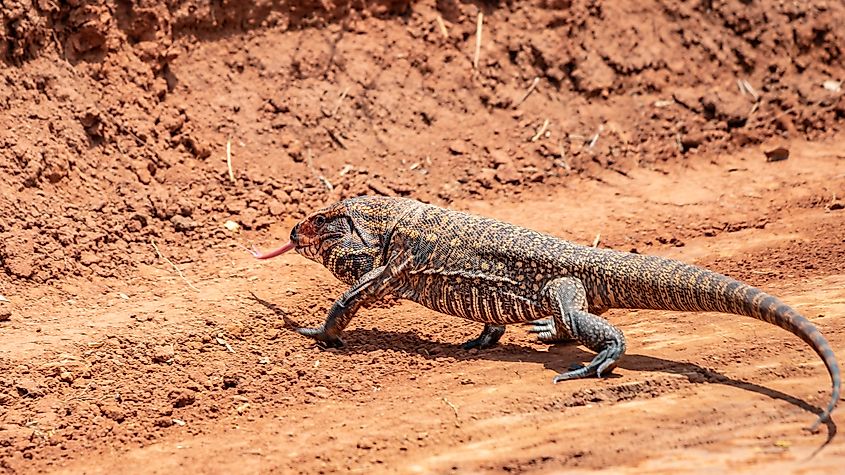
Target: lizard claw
538	323
322	338
602	364
546	331
488	338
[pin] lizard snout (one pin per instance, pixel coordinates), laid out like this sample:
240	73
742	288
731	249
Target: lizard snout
294	234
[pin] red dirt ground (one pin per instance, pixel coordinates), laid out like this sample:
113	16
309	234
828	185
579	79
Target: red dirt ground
116	119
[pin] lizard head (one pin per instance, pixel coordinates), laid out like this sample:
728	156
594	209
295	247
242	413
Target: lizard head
347	237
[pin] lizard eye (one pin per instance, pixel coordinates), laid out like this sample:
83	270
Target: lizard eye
319	220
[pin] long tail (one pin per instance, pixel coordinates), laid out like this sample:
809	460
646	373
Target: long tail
665	284
763	306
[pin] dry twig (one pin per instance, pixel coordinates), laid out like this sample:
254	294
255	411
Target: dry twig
308	161
442	26
455	409
160	255
477	41
340	101
597	240
221	341
540	131
563	161
528	92
336	137
229	160
346	169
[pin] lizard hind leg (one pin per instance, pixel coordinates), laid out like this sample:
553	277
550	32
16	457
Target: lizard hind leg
568	298
489	337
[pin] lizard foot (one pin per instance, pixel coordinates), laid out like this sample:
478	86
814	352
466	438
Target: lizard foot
547	331
488	338
602	364
323	339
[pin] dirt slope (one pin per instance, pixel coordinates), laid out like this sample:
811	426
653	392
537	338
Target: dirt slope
116	115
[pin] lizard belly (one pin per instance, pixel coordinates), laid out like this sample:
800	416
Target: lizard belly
474	299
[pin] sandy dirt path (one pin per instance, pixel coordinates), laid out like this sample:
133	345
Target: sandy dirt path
154	389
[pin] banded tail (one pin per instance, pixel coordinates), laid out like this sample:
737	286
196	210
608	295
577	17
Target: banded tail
650	282
762	306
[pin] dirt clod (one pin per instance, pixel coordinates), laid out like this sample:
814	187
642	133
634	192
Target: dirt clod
777	154
113	411
182	397
231	381
29	388
321	392
183	223
163	422
164	354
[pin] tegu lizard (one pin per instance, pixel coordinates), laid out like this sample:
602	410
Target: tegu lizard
496	273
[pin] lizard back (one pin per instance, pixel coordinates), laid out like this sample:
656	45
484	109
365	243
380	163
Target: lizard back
478	268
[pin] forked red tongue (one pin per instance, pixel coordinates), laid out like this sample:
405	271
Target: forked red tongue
270	254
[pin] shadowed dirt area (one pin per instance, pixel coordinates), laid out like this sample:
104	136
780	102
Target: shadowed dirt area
130	341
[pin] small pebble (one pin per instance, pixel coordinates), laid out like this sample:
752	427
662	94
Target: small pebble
777	154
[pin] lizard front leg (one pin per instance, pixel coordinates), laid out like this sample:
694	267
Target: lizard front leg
372	286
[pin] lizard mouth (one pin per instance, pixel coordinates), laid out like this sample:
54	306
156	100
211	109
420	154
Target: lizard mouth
309	252
309	248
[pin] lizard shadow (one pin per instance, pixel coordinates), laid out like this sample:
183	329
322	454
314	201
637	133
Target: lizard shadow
558	359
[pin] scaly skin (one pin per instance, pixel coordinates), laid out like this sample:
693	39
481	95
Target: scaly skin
495	273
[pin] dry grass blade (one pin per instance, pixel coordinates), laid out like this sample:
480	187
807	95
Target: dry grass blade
340	101
309	161
454	409
477	41
746	88
563	162
442	26
161	256
229	160
597	240
595	137
541	131
528	92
